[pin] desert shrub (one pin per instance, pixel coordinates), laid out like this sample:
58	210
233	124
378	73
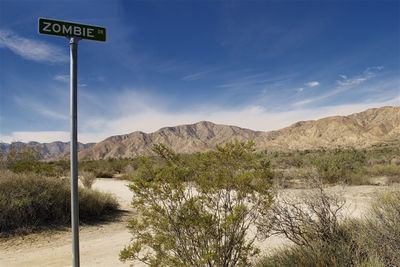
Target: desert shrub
383	170
395	161
106	168
87	179
95	205
312	222
371	241
314	215
103	174
382	231
338	165
341	250
196	211
22	158
359	178
28	201
58	168
287	160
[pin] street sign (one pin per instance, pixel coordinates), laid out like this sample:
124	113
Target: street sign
74	32
69	29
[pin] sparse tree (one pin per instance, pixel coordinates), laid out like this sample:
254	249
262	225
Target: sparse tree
197	211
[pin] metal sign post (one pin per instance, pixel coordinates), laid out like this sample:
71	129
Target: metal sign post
73	42
74	32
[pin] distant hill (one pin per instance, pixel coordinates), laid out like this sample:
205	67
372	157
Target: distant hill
51	151
191	138
361	130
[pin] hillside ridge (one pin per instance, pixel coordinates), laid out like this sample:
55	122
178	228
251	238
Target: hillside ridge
360	130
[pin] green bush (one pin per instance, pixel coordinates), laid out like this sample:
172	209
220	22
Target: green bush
22	158
196	211
28	201
338	165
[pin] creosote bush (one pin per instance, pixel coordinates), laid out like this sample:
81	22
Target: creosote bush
197	211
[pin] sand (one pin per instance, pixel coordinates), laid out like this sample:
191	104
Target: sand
100	244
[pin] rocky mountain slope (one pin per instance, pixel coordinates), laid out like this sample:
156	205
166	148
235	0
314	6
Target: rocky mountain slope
197	137
361	130
379	125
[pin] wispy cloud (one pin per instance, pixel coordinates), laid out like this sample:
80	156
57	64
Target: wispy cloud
65	79
196	76
299	90
32	49
61	78
344	84
312	84
367	74
151	117
39	108
254	80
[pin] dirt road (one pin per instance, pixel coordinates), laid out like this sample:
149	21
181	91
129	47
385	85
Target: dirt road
100	244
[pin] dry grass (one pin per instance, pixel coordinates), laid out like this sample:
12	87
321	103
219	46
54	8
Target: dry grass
321	240
29	202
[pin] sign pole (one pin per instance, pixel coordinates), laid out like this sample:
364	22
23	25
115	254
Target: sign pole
74	32
73	41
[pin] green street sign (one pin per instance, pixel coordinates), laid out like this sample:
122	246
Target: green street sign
69	29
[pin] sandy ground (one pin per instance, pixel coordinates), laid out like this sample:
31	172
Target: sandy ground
100	244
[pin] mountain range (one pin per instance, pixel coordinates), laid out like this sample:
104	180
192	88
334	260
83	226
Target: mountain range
50	151
360	130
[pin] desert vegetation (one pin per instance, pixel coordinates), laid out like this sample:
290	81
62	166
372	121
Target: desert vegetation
198	209
202	208
320	238
342	165
33	195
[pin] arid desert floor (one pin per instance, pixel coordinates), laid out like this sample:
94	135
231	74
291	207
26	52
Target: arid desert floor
100	244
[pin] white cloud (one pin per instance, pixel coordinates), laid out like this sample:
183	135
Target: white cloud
299	90
39	136
367	74
251	117
312	84
32	49
61	77
151	116
344	84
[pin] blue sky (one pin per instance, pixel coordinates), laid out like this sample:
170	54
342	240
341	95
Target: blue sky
256	64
